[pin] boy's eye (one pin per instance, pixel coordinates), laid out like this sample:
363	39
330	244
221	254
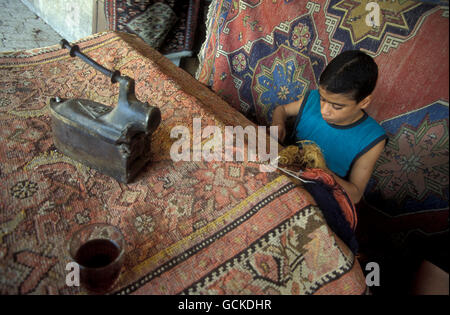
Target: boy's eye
337	107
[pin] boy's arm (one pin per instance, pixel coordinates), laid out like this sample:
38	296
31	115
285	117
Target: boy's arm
280	113
360	173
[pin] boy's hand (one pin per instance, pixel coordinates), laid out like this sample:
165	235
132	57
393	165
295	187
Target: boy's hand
280	113
278	118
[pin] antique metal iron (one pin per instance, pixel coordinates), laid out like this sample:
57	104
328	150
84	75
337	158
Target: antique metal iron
116	140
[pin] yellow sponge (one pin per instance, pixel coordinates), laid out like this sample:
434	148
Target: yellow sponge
307	154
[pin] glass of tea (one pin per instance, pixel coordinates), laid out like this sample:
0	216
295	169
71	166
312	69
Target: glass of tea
99	250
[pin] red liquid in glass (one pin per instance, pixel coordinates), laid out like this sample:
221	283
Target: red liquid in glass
97	270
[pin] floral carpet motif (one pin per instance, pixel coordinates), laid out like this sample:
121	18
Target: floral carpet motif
279	83
190	227
412	173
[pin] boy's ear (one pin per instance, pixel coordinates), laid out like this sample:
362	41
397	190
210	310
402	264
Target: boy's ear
365	102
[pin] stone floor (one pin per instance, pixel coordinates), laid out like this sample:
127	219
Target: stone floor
21	29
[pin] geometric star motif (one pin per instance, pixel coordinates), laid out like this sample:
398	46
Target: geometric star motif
391	13
415	162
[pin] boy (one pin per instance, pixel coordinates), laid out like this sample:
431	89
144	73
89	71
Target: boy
334	118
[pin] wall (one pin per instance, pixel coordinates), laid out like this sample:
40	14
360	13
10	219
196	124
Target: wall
72	19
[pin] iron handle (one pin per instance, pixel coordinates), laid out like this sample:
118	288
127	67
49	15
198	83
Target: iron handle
75	51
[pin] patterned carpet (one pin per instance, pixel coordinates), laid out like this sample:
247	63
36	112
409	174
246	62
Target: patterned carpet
190	227
181	32
257	60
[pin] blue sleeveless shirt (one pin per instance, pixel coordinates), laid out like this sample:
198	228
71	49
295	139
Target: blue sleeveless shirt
341	145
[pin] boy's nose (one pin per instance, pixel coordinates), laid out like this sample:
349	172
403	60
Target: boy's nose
325	108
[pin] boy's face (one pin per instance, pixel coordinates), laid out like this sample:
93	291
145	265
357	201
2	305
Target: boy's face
340	109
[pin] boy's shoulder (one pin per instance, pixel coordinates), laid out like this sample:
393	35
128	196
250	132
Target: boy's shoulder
374	122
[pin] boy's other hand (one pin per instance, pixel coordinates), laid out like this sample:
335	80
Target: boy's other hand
281	131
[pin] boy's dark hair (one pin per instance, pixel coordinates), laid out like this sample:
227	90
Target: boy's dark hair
352	72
